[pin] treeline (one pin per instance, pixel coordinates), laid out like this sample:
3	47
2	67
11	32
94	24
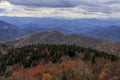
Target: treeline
32	55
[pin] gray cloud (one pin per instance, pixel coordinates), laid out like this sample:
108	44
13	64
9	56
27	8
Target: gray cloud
102	8
45	3
62	3
89	5
64	8
56	3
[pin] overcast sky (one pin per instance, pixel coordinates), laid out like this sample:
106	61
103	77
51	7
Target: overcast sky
61	8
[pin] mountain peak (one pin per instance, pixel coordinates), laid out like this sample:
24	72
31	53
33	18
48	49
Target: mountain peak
54	31
55	37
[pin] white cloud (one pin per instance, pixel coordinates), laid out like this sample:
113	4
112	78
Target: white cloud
85	9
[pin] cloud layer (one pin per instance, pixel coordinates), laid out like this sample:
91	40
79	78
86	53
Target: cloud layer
48	3
64	3
61	8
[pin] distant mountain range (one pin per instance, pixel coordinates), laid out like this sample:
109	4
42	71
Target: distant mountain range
10	32
108	29
5	25
111	33
48	22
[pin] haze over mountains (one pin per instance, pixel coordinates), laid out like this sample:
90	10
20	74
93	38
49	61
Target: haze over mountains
110	33
108	29
9	31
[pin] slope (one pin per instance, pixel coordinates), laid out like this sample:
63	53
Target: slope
55	37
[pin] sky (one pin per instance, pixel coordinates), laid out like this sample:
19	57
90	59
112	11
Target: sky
61	8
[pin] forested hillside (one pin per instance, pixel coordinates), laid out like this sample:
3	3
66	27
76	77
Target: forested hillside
65	60
56	37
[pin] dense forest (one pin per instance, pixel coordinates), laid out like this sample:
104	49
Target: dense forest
33	55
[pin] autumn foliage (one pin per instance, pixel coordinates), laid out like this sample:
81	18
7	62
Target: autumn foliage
58	62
